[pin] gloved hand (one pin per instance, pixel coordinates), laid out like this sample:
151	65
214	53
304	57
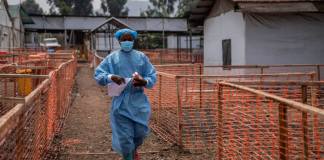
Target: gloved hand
117	79
138	80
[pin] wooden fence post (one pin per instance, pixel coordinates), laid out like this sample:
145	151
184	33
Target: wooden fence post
283	132
220	121
304	121
179	112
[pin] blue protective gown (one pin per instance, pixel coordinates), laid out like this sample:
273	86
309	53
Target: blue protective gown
130	111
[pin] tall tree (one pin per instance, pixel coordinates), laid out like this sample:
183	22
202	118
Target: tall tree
71	7
114	7
184	8
160	8
31	7
83	8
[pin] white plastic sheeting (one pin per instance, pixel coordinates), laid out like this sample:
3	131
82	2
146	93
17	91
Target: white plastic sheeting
285	38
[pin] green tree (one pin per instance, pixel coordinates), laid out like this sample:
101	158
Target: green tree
83	8
161	8
184	8
114	7
71	7
31	7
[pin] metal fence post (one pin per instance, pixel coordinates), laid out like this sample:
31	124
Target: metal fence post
220	121
304	121
283	132
179	112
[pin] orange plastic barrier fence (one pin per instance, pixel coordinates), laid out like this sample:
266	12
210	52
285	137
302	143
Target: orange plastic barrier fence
28	127
158	56
184	106
252	124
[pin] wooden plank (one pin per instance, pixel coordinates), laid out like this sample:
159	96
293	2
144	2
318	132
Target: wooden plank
166	74
308	83
268	66
23	76
10	120
247	75
31	96
13	99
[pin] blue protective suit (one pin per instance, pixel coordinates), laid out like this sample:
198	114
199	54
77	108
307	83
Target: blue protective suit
130	111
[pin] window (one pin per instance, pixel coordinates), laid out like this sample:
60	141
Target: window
227	54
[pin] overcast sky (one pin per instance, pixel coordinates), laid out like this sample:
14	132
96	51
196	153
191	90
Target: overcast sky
134	10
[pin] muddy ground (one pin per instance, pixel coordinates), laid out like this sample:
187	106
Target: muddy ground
86	134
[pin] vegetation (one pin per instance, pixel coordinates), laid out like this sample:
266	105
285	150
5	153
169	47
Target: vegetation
31	7
114	7
160	8
71	7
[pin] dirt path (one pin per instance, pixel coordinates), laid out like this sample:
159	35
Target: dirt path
87	135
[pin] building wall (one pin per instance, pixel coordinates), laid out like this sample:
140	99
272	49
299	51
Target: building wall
285	39
229	25
184	42
5	27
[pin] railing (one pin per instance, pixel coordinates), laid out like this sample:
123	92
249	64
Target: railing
242	69
28	126
246	69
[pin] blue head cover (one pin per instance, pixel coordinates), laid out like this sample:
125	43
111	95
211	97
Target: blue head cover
121	32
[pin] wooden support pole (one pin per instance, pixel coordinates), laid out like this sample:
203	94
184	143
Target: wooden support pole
220	121
179	112
304	121
283	132
200	87
160	98
318	72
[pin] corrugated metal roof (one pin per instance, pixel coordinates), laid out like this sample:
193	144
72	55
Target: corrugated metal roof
275	1
201	8
88	23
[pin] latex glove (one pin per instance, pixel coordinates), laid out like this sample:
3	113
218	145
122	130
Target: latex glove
138	80
117	79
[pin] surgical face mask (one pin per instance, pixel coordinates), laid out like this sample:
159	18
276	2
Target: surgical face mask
127	45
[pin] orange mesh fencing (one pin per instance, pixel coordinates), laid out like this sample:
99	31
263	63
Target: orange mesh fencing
29	123
257	125
184	106
171	56
157	56
265	69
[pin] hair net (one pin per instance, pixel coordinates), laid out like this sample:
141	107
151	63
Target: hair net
121	32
